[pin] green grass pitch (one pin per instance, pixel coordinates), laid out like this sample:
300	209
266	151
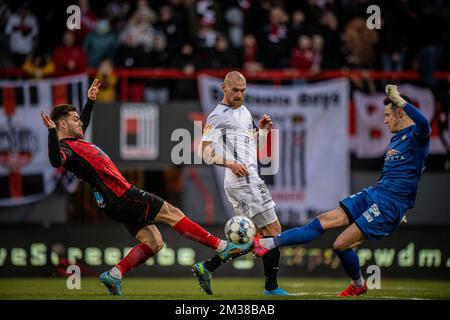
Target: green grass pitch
224	289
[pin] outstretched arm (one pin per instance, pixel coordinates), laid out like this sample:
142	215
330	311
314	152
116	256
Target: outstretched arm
56	157
85	116
423	126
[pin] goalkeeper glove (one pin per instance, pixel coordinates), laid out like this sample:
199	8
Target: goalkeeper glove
394	95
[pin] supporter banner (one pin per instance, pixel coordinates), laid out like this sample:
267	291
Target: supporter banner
372	135
139	131
25	172
410	252
312	141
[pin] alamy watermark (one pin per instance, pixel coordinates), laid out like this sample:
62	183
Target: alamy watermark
374	280
235	145
374	20
74	20
74	280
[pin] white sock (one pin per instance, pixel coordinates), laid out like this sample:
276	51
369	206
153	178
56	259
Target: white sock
268	243
359	283
115	273
222	245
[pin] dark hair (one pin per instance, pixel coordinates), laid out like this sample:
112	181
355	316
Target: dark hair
61	110
394	107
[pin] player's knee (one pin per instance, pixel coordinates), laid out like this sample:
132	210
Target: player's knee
174	211
157	245
339	245
333	219
169	214
324	220
271	230
275	229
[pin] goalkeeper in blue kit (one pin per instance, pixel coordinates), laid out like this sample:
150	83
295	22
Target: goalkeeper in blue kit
374	212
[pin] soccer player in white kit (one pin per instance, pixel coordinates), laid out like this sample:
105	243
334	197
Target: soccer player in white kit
230	139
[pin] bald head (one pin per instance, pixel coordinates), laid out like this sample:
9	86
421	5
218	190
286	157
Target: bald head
234	76
233	87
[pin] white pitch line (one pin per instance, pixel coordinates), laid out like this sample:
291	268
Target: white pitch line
401	298
310	294
374	297
412	289
300	285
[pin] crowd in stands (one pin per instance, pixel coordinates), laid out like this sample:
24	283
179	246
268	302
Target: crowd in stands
310	35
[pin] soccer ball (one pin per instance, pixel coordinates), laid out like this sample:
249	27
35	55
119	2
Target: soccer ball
240	230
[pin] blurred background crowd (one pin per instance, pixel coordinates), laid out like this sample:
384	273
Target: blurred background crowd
310	35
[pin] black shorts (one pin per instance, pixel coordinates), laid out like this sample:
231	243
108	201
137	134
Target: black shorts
136	209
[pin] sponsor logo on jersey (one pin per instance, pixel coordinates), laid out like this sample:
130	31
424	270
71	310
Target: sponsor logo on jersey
372	213
207	129
392	152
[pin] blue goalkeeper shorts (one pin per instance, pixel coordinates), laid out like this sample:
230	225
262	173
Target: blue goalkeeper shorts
376	215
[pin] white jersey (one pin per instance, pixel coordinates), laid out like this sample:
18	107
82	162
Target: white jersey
233	133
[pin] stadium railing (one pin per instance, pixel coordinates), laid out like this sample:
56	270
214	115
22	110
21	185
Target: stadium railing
274	76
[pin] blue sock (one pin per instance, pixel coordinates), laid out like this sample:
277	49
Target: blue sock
299	235
350	263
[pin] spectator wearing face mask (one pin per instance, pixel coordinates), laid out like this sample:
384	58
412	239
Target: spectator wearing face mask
100	43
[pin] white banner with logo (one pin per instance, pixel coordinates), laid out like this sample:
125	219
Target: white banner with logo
139	131
25	172
372	135
310	134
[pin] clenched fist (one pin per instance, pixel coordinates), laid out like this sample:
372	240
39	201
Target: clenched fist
394	95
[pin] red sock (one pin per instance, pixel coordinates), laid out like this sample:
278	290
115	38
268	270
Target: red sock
135	257
193	231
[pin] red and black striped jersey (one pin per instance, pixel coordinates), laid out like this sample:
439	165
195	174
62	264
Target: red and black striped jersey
87	161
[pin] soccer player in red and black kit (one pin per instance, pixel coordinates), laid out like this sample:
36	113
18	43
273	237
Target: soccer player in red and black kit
137	209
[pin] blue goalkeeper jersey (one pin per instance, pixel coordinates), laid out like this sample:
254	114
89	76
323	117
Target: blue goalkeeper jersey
405	160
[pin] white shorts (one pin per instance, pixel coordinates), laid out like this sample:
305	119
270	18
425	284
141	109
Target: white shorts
265	218
253	201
